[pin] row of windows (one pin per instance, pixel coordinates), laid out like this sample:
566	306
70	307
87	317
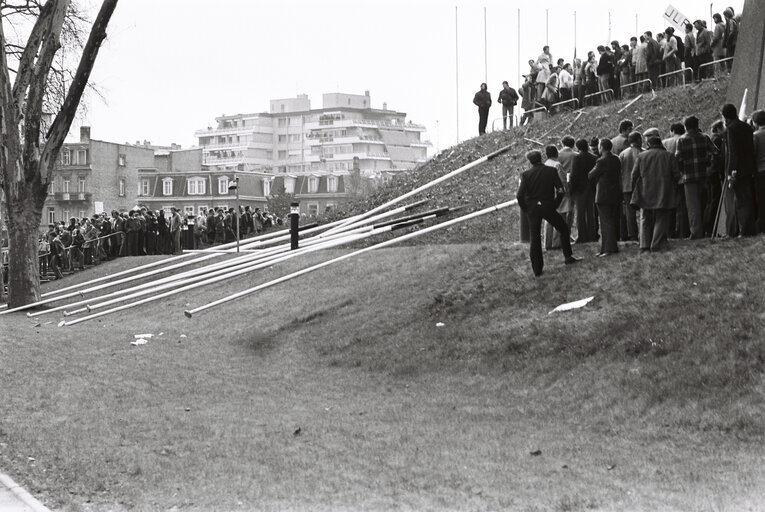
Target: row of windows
74	157
194	186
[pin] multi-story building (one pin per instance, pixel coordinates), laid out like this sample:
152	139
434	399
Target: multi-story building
305	146
95	176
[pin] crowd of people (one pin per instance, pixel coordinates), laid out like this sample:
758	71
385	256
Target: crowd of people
640	187
71	246
646	57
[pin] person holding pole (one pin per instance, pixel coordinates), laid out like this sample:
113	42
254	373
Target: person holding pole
539	195
740	167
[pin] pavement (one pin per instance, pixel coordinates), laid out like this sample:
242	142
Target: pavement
13	498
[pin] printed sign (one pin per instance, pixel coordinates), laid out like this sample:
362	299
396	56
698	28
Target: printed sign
676	18
99	207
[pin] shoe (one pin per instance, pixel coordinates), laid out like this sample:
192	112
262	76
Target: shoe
573	259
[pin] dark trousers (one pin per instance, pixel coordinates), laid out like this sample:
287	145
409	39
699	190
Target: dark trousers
132	243
654	70
742	189
694	207
706	71
630	218
679	227
483	119
654	226
507	116
585	217
714	192
536	214
609	227
759	195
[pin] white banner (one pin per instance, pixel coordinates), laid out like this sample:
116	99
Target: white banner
675	18
99	207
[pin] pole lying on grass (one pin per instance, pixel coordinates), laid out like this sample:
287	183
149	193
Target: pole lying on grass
628	105
332	243
428	185
190	312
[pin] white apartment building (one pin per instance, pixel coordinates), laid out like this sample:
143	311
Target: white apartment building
295	140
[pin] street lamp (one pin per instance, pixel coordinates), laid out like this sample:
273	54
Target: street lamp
234	185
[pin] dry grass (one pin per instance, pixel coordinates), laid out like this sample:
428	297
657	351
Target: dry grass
651	397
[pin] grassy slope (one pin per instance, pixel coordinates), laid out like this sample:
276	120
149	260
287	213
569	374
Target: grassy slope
651	397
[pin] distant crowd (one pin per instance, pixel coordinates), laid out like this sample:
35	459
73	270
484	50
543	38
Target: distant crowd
600	78
71	246
644	188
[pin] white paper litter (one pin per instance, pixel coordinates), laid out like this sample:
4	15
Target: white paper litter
440	324
138	336
183	336
572	305
139	342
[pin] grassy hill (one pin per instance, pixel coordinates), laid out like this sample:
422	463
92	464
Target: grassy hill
496	181
425	377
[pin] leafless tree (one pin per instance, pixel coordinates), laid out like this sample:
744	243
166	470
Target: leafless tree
29	145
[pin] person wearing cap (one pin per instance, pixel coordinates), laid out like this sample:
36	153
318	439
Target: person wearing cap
539	194
482	100
740	168
627	158
654	180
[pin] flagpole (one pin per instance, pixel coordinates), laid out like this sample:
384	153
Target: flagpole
457	69
519	47
485	49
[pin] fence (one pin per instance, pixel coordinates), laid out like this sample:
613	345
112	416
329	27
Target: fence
671	73
718	61
566	102
600	93
514	120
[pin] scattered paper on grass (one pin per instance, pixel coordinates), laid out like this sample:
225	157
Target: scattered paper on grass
138	336
140	341
572	305
183	335
440	324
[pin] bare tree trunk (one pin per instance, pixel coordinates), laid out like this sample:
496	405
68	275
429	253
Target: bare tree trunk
23	265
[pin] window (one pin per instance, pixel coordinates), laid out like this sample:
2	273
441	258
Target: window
329	207
167	187
331	183
223	207
65	215
51	215
313	185
122	187
81	185
81	157
82	213
144	187
66	157
283	121
289	185
223	185
65	186
188	210
269	155
295	137
121	160
201	208
313	209
196	186
282	155
282	139
168	211
266	188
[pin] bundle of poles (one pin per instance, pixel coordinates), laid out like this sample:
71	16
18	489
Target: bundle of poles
195	269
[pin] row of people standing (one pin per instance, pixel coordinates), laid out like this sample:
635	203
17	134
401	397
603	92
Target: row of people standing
639	187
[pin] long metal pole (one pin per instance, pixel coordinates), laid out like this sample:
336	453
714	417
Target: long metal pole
519	47
485	49
238	213
457	69
433	183
574	34
191	312
547	28
250	259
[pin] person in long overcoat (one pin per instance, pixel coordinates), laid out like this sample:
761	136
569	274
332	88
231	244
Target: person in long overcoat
654	180
608	196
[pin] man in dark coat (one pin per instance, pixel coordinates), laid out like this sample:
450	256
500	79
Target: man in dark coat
539	195
508	98
654	180
482	100
608	196
740	168
579	190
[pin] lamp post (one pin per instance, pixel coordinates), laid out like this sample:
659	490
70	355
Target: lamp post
294	221
235	185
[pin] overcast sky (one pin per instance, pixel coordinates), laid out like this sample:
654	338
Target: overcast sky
170	67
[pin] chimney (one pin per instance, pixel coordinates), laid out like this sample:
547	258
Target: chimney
84	133
385	106
366	93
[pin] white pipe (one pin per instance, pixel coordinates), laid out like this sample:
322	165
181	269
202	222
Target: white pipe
196	285
387	243
426	186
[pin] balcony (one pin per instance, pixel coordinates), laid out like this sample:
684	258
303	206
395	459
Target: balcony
72	196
